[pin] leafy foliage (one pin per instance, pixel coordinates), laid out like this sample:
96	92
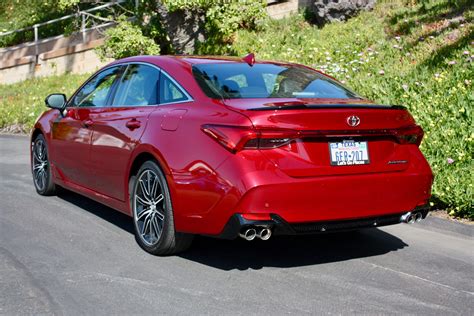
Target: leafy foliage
65	4
223	19
224	16
126	39
419	55
17	14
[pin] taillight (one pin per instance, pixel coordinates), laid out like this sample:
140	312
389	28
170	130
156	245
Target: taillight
410	135
233	138
268	139
236	138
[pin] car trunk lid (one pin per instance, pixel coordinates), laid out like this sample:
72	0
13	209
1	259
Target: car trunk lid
378	135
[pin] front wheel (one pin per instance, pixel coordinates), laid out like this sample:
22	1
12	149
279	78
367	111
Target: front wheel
153	214
41	168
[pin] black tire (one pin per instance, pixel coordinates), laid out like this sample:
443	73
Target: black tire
41	167
151	206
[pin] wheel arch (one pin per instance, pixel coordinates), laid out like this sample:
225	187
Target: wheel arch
36	131
138	158
43	125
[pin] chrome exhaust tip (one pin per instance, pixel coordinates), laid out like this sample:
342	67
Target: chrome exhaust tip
248	234
418	217
265	234
407	218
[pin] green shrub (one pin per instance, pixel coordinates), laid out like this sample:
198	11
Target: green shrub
223	16
222	19
125	40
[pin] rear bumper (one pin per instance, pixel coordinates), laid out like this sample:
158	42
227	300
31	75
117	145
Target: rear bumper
237	223
338	197
256	188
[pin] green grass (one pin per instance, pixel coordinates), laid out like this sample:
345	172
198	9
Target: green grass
418	55
22	103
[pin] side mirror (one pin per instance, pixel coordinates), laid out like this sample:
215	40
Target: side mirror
56	101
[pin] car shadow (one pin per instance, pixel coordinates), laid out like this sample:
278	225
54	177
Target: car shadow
279	251
100	210
292	251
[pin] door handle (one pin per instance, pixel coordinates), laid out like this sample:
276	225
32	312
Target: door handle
87	123
133	124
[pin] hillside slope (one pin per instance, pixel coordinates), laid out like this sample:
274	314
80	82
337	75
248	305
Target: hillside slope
418	55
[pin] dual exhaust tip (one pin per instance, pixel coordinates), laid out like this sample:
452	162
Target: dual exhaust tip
250	233
264	233
411	218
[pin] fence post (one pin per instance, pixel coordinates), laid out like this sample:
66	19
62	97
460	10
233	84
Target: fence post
83	28
35	28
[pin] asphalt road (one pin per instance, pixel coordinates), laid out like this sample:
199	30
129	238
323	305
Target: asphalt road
70	255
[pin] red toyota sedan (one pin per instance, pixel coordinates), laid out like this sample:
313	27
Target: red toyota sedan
230	147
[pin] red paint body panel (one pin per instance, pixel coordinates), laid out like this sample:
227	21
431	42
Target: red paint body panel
111	146
93	150
70	145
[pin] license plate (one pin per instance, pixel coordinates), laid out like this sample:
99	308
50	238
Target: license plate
349	152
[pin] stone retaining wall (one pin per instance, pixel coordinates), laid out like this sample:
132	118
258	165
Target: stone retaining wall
75	59
55	56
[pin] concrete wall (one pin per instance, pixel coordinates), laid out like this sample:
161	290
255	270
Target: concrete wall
55	56
78	62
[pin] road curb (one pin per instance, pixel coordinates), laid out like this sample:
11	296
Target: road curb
445	225
2	134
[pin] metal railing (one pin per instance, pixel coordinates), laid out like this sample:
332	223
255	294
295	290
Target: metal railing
83	15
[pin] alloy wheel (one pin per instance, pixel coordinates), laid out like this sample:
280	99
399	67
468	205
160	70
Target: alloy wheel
149	207
40	164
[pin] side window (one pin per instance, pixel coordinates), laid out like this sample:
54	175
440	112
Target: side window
171	92
138	86
95	92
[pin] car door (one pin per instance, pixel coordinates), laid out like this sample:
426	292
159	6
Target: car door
72	133
117	128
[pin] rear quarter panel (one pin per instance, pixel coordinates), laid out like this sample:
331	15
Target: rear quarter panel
190	158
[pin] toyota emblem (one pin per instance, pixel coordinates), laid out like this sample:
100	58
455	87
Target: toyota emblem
353	120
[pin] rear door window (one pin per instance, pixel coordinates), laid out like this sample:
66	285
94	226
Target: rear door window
138	86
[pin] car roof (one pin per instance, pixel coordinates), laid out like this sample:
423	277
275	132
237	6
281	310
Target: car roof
187	61
194	59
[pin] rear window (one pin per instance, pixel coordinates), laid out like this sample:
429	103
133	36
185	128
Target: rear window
240	81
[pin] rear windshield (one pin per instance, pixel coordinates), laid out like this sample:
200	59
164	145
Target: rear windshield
240	81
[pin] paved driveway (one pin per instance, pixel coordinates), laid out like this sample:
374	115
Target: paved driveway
70	255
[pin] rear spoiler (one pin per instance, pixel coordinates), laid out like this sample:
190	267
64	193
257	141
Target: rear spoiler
328	106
